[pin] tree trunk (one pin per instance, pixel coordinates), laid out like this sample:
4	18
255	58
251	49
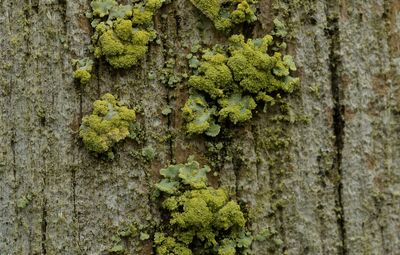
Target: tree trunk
329	185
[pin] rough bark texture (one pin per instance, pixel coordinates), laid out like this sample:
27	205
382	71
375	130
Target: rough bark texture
327	186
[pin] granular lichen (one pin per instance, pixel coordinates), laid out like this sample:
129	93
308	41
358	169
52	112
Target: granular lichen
237	108
230	81
149	153
107	125
24	201
226	14
199	116
122	32
83	70
201	219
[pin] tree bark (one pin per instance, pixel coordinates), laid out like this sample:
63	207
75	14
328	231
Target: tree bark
329	185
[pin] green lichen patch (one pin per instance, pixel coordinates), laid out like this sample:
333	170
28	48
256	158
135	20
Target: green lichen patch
107	125
24	201
83	70
271	236
215	78
232	80
199	116
117	249
170	75
201	219
183	174
122	32
149	153
237	108
130	235
280	29
226	14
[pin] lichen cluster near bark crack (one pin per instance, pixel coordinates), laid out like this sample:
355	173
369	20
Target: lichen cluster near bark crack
230	81
226	86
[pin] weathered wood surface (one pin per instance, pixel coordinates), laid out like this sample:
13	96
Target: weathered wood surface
335	189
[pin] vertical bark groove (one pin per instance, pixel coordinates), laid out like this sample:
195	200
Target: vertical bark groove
14	169
338	120
44	227
169	128
74	210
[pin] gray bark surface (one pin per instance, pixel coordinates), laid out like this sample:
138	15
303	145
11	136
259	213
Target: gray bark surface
329	185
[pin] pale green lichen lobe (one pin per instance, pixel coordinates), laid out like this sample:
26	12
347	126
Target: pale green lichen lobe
199	116
236	108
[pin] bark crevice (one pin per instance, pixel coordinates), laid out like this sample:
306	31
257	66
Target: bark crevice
44	227
14	169
43	224
44	214
169	128
333	34
257	164
74	209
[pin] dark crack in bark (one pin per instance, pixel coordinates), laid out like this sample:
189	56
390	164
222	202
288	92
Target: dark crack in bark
14	169
44	211
44	226
333	34
74	209
256	149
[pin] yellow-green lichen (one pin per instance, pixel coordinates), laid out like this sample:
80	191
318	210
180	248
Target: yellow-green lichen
24	201
280	29
122	32
226	14
230	81
102	8
149	153
83	70
215	76
201	219
107	125
199	116
237	108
